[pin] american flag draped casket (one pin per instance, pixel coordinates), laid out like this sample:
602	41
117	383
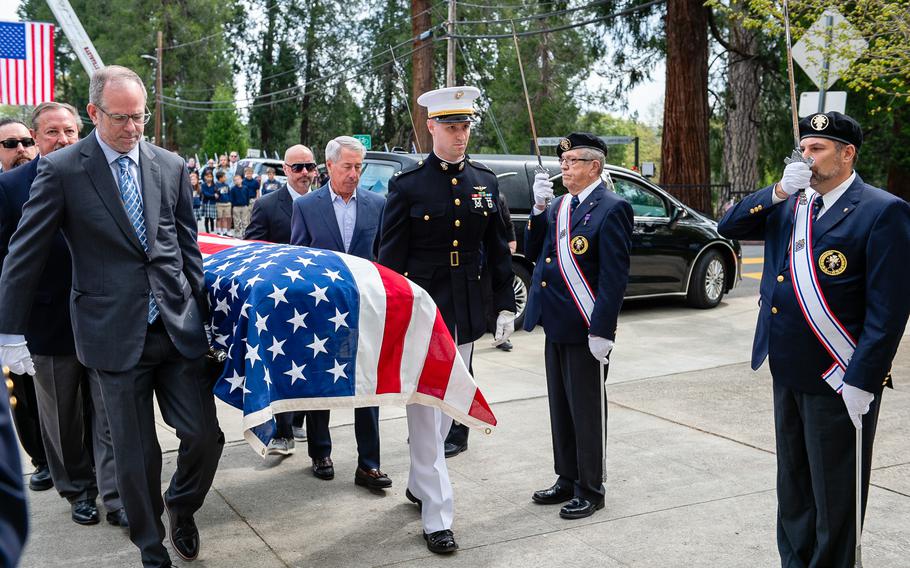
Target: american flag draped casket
309	329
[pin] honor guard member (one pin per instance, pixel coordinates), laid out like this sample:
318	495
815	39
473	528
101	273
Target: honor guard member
582	243
441	228
833	307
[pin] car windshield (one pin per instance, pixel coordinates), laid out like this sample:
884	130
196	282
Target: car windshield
375	177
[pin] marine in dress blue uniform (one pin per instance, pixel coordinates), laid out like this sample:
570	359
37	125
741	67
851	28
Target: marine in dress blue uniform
439	216
13	504
599	237
860	239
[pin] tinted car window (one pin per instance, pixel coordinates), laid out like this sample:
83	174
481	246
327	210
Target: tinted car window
375	176
644	202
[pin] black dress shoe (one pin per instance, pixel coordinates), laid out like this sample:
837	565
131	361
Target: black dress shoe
441	542
85	512
412	499
579	508
117	518
372	478
553	495
453	449
323	468
41	479
184	535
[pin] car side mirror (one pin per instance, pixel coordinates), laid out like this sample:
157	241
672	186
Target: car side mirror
677	214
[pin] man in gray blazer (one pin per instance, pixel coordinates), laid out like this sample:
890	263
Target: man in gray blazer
340	217
138	304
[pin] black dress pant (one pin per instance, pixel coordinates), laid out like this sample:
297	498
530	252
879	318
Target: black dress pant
26	417
816	477
187	405
575	394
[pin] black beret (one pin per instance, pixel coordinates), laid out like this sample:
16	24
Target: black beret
832	125
578	140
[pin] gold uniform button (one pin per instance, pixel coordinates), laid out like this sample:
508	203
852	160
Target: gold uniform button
457	223
405	273
773	310
426	217
780	278
543	284
455	243
9	384
759	208
752	211
485	213
454	181
549	260
457	201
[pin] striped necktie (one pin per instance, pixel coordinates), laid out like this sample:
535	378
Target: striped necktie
574	204
129	193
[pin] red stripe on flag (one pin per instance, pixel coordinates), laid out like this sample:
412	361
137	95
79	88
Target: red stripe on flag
14	82
434	378
397	320
32	63
50	59
481	410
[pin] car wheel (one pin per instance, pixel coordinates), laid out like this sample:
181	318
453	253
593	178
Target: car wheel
521	284
706	289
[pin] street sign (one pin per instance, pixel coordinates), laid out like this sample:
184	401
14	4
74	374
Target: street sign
834	100
828	48
366	140
608	140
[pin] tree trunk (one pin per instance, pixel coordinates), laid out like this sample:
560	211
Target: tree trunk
421	71
266	69
741	131
308	75
685	158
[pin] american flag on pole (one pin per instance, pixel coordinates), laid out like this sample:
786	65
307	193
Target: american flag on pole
308	329
26	63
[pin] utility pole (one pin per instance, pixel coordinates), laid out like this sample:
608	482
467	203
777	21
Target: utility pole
158	84
450	55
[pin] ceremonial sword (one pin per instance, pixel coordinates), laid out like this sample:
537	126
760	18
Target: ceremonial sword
859	497
796	155
524	86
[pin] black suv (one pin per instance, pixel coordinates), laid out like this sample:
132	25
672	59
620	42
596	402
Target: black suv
676	251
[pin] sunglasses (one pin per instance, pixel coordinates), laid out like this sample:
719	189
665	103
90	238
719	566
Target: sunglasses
27	142
297	168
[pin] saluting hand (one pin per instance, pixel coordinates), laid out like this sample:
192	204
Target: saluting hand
796	177
857	402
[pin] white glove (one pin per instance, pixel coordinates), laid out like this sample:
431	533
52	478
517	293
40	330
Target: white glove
505	326
796	177
857	402
600	348
17	358
543	189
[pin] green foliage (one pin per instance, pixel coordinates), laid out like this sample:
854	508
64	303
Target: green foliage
223	131
608	125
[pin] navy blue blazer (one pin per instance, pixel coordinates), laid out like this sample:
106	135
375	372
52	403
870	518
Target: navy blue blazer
271	218
50	331
13	507
870	228
605	220
313	222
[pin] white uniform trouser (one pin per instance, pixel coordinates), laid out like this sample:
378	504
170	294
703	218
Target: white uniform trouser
428	479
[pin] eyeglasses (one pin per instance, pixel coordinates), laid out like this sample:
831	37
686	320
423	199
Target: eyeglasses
120	119
571	161
297	168
11	143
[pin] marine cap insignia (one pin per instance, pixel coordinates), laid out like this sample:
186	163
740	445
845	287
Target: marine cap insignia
444	166
579	245
832	262
819	122
565	144
459	94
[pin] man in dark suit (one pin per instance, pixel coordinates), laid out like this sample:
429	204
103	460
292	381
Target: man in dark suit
271	222
341	218
13	505
64	389
835	271
138	304
581	243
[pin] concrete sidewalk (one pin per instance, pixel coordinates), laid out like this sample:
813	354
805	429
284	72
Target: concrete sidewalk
691	472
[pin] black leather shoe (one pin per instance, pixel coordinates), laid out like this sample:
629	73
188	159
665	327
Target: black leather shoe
553	495
453	450
85	512
412	499
184	535
579	508
441	542
372	478
323	468
117	518
41	479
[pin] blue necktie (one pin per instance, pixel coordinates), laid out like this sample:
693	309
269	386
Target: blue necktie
129	193
816	208
574	204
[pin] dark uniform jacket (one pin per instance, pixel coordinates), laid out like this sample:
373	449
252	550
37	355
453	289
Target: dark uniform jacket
271	218
870	230
604	220
437	217
49	329
13	506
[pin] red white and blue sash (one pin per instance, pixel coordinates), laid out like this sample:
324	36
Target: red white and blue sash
832	334
572	275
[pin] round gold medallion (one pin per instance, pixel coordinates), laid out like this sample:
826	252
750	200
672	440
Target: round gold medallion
579	245
832	262
565	144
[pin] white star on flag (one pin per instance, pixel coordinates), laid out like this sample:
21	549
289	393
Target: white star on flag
266	264
237	382
315	252
266	377
278	295
318	345
239	271
223	306
252	281
233	291
294	275
338	371
223	267
319	294
217	283
261	325
338	320
333	274
297	320
276	254
222	339
276	347
252	355
306	262
243	310
296	373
